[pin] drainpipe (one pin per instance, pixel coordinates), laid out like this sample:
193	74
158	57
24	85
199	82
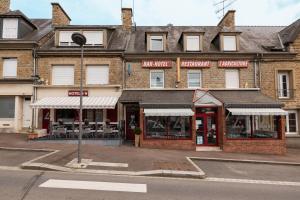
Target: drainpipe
34	89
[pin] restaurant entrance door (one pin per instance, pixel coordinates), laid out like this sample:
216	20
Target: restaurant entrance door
132	120
206	129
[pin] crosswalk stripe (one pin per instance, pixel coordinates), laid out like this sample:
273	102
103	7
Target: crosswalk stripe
92	185
229	180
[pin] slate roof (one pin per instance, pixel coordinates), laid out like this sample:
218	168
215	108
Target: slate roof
159	98
252	38
290	33
245	99
41	26
117	39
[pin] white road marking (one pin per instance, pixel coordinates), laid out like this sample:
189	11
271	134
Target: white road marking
108	164
92	185
229	180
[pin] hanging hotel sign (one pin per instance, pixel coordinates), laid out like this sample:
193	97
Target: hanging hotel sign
195	63
233	63
157	63
76	93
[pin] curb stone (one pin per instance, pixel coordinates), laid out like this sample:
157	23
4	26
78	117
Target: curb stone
245	161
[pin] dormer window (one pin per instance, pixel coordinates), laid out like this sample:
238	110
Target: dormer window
65	38
10	29
156	43
193	43
93	38
229	43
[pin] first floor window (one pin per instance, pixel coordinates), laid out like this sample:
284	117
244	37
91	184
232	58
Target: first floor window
7	107
63	75
163	127
97	75
232	78
10	68
10	28
157	79
292	122
156	43
193	43
245	127
229	43
194	79
283	85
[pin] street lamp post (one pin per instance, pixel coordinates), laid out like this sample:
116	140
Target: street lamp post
80	39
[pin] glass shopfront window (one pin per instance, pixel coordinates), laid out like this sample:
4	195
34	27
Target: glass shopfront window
7	107
162	127
246	127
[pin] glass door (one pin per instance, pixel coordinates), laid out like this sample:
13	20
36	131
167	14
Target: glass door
206	130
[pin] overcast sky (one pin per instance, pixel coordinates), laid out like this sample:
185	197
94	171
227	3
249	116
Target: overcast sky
162	12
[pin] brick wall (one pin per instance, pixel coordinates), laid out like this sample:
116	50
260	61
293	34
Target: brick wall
269	83
25	62
212	77
59	16
115	67
228	20
127	18
4	6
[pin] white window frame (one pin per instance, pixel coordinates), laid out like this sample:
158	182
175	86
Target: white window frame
280	85
193	37
68	42
100	81
157	37
9	35
15	70
89	41
229	47
163	78
287	122
238	79
62	66
200	78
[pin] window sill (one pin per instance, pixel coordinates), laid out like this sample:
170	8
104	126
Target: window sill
294	135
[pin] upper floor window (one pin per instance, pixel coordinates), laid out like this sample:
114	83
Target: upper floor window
229	43
94	38
194	79
156	43
10	68
10	29
232	79
193	43
156	79
284	90
97	75
63	75
65	38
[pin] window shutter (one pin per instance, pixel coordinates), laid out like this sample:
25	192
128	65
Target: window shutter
97	75
93	37
232	79
65	38
193	43
63	75
10	28
10	68
156	43
229	43
194	79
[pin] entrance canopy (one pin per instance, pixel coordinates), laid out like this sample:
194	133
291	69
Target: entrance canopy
257	111
104	102
169	112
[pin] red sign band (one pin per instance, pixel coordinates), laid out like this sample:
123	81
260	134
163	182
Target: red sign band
76	93
195	63
233	63
157	63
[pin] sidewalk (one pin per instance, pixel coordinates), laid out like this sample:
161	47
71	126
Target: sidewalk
138	159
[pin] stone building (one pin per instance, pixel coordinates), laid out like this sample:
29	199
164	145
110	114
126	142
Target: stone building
198	88
19	39
58	69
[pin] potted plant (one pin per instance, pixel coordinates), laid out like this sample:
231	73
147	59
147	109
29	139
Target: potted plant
137	132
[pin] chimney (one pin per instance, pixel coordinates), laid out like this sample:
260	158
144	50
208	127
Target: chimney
59	16
127	19
4	6
228	21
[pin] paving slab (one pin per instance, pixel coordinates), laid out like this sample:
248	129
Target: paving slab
17	157
255	171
